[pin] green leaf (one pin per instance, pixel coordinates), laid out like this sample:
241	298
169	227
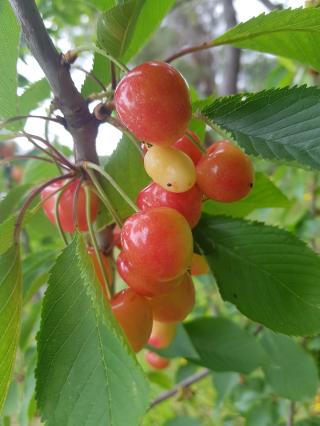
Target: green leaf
86	373
269	274
10	315
290	370
9	47
6	232
263	195
12	200
264	413
124	29
33	96
126	167
101	70
277	124
37	171
183	421
294	34
223	346
103	4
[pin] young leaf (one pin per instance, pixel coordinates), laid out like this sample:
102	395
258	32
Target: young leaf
124	29
101	70
223	346
33	95
126	167
6	234
290	370
10	315
294	34
263	195
269	274
86	373
279	124
9	45
12	200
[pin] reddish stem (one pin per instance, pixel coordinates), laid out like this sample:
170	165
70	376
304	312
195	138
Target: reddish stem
188	50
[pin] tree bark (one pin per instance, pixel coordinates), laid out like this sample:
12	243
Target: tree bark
80	122
232	54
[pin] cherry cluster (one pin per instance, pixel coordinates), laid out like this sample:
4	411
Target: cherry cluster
157	256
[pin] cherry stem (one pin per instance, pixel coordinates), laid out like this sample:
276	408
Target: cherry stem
91	75
113	183
115	123
24	117
195	142
111	58
75	203
28	157
54	152
100	95
94	241
191	49
104	198
36	191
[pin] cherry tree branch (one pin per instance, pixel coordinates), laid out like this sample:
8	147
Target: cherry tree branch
184	384
79	121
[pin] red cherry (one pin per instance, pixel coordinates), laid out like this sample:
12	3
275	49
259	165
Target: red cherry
153	102
117	236
134	315
199	265
156	361
107	268
225	173
140	283
175	305
186	145
158	243
162	334
66	206
187	203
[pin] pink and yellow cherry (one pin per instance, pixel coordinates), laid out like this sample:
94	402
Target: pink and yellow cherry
139	282
134	315
99	273
162	334
187	203
66	206
153	101
225	173
186	145
156	361
158	243
199	265
170	168
175	305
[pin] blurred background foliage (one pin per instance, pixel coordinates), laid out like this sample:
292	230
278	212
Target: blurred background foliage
222	398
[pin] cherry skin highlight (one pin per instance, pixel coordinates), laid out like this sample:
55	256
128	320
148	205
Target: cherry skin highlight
134	315
225	173
186	145
162	334
187	203
170	168
158	242
175	305
99	273
199	265
140	283
153	101
66	206
156	361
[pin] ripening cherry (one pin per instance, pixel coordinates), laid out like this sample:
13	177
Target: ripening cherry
225	173
199	265
153	101
162	334
156	361
67	204
175	305
186	145
170	168
107	268
158	242
141	283
187	203
116	232
134	315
